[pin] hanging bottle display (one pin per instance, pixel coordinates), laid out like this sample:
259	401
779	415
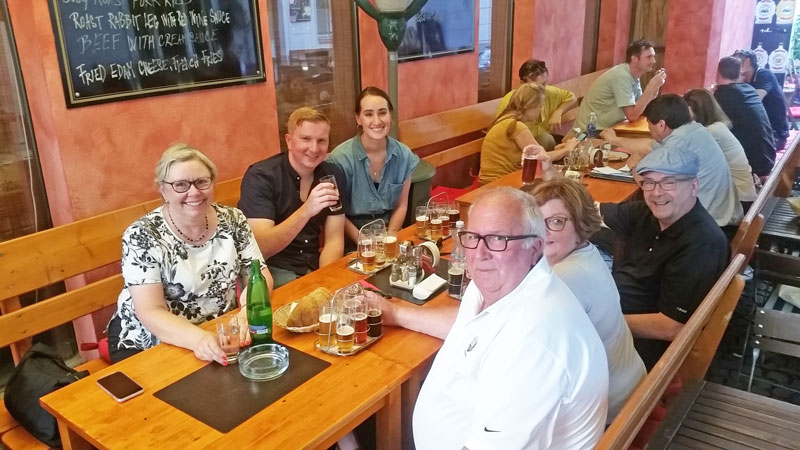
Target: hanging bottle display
765	9
784	14
778	59
761	55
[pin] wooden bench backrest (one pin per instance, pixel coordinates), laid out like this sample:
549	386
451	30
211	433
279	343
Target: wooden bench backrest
779	183
580	87
38	260
431	129
747	233
638	407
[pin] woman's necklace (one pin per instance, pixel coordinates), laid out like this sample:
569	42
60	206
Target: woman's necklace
183	235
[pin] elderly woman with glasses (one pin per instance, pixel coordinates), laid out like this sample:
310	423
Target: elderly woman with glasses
571	218
181	263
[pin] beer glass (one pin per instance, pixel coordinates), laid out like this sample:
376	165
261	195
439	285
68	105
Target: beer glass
345	332
529	165
422	221
454	212
359	316
374	320
327	327
379	238
390	246
366	252
332	179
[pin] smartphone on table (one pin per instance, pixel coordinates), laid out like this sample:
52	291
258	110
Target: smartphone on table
119	386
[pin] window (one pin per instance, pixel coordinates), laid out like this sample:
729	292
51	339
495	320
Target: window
313	46
494	48
23	205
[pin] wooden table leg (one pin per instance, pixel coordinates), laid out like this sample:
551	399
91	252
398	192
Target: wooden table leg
388	422
411	390
70	440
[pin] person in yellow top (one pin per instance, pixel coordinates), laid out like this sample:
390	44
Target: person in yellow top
556	102
501	151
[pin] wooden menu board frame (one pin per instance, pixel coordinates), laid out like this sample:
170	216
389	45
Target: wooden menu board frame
112	50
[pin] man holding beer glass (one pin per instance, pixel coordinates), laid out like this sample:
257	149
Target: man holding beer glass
521	365
290	200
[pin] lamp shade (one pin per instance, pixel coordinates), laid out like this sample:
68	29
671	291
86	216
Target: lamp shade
392	5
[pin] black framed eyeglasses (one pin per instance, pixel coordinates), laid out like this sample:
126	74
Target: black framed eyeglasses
556	223
493	242
667	184
181	186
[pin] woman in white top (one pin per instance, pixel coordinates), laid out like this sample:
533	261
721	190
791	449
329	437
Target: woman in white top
570	218
706	111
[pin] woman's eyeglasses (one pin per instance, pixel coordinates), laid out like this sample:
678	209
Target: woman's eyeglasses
181	186
556	223
493	242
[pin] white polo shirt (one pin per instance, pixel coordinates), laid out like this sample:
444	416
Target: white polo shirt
528	372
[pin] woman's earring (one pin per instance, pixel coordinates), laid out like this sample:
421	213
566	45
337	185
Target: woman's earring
359	128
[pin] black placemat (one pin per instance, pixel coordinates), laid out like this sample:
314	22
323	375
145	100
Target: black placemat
222	398
381	281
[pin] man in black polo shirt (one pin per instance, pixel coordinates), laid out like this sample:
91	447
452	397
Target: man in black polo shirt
771	93
674	251
286	206
749	118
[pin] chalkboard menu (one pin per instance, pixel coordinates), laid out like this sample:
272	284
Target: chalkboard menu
111	50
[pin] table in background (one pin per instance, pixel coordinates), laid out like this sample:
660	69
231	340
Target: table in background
604	191
637	128
383	378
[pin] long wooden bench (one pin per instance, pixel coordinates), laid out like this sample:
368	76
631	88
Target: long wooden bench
51	256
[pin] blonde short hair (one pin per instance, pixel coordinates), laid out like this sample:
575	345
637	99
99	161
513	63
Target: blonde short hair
577	200
305	114
181	152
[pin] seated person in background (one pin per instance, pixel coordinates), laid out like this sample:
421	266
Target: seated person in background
556	102
671	127
750	123
181	263
771	93
617	94
571	218
287	207
507	136
521	366
674	251
377	167
706	111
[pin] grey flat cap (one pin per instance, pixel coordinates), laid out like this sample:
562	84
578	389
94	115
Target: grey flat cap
670	161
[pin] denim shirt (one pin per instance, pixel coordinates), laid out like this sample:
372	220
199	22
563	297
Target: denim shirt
368	202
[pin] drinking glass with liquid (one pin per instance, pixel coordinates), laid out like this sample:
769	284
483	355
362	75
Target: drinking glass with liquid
327	327
332	180
228	334
366	252
422	221
390	246
345	332
530	163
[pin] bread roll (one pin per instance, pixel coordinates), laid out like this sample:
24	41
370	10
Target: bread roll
307	310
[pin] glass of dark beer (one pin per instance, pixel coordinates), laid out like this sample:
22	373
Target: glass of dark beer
529	165
332	180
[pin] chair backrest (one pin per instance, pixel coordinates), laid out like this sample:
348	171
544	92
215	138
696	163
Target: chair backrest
640	404
777	331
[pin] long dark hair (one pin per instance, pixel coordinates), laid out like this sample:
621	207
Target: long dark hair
372	90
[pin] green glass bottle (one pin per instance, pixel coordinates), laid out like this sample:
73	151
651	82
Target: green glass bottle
259	310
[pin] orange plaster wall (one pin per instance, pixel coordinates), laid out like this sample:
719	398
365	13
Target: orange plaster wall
100	158
522	50
615	23
424	87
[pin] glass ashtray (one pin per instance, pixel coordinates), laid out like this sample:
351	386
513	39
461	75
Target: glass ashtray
263	361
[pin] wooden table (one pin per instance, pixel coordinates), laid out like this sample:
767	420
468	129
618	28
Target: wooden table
382	379
604	191
637	128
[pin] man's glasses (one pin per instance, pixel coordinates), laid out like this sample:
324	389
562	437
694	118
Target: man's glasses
667	184
556	223
493	242
181	186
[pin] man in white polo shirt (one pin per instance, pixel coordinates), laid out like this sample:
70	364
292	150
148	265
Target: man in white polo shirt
522	366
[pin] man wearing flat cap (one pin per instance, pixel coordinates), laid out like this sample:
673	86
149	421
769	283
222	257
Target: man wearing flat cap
674	250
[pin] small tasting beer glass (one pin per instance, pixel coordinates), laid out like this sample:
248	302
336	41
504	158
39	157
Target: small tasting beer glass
390	246
332	179
529	165
327	327
422	221
453	212
436	228
359	315
366	252
374	320
345	333
379	238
